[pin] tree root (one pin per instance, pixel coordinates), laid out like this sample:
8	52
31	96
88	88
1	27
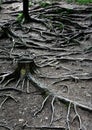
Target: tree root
25	125
6	127
62	99
19	75
77	116
7	97
70	76
53	110
10	89
65	30
61	26
42	106
68	114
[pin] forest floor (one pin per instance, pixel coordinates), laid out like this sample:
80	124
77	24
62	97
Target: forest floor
46	67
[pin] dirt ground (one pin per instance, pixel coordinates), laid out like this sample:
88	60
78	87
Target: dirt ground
60	97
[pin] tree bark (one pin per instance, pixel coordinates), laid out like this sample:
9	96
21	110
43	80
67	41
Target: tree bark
25	10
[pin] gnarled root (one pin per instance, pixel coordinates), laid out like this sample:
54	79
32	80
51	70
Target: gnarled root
19	75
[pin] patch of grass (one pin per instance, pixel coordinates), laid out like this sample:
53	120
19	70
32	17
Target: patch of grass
44	4
20	18
31	3
80	1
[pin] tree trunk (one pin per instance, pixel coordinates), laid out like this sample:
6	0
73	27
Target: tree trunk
25	10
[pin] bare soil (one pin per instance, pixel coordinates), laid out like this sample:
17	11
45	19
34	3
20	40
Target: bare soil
56	51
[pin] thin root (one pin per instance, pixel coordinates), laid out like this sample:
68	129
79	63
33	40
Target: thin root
6	127
77	116
28	84
68	114
53	110
8	82
3	76
23	82
18	82
7	96
42	106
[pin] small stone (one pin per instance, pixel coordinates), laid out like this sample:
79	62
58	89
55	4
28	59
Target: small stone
46	118
21	120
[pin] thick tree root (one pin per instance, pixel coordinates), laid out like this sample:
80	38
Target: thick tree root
62	99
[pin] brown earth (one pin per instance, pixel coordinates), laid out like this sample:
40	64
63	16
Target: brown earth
57	54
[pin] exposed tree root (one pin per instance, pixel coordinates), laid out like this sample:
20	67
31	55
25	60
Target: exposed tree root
77	116
70	76
53	110
61	25
25	125
7	97
42	106
6	127
68	114
59	29
19	75
62	99
11	89
13	36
